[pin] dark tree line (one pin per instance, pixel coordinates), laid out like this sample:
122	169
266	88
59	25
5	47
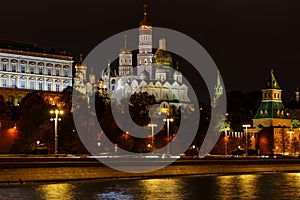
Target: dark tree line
32	117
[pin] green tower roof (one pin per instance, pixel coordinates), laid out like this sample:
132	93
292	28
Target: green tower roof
271	109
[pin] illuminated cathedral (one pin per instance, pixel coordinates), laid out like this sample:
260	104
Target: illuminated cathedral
155	73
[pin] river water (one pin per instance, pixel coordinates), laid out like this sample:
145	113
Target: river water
249	186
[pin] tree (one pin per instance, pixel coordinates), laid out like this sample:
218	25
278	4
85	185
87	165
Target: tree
32	114
139	106
295	123
4	109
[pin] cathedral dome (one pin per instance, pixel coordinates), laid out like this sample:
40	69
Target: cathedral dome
162	57
80	65
125	51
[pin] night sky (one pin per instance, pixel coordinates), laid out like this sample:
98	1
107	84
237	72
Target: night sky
246	39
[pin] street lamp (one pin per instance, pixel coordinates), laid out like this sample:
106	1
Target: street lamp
56	119
168	120
226	143
37	146
152	133
226	139
246	126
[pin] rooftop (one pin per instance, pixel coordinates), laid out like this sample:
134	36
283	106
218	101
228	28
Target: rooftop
31	50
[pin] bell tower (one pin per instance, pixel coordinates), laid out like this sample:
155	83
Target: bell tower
144	57
125	60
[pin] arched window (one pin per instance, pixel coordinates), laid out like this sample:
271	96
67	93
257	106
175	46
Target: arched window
40	85
41	68
66	71
57	70
4	82
31	67
13	65
22	83
57	86
49	86
13	82
23	67
49	69
31	84
4	64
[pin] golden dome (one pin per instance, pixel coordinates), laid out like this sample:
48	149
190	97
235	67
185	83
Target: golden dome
145	23
162	57
80	65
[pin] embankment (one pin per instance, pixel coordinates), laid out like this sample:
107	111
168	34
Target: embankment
19	171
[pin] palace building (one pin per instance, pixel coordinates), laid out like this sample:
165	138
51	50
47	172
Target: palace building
25	68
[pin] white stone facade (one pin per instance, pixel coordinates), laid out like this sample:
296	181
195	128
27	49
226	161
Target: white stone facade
35	71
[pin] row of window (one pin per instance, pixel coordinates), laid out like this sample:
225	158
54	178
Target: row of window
145	39
32	84
238	135
125	61
4	67
275	95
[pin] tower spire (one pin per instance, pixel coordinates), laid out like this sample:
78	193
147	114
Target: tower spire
124	50
145	11
125	41
80	59
145	23
272	82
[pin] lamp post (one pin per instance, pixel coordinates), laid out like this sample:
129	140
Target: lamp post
56	119
37	146
226	140
168	120
152	133
246	126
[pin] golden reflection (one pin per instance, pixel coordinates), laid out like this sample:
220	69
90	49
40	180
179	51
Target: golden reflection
57	191
162	188
294	180
239	186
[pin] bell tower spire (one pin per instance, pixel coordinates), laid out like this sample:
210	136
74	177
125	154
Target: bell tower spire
144	58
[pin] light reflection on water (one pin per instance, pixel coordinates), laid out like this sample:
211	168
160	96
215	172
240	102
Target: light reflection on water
250	186
54	191
242	186
172	188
